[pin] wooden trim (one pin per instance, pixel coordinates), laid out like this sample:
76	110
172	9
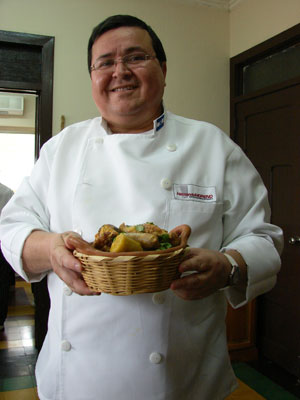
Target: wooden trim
16	129
20	86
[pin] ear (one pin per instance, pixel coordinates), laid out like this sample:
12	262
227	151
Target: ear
164	68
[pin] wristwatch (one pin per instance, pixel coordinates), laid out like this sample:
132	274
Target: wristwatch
235	274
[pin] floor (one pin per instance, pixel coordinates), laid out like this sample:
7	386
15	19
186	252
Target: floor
18	357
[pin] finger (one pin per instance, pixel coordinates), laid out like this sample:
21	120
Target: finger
190	282
71	239
75	281
64	257
194	263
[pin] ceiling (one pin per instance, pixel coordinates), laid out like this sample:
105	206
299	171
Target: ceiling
224	4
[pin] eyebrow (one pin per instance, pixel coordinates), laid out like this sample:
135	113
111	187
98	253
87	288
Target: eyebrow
127	51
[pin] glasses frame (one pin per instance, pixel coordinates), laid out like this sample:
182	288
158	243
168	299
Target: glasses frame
123	61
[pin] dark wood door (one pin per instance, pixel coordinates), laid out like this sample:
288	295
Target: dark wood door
268	129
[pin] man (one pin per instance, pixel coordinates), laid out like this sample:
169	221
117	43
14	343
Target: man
7	276
138	163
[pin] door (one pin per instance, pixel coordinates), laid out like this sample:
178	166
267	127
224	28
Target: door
268	129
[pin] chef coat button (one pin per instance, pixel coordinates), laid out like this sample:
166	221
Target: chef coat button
165	183
158	298
171	147
65	345
67	291
155	358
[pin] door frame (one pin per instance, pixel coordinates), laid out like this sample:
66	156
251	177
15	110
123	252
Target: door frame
267	48
286	39
43	88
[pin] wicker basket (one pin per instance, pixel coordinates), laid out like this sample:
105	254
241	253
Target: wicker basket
130	273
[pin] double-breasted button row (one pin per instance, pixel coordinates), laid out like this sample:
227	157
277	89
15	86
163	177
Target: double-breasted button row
154	357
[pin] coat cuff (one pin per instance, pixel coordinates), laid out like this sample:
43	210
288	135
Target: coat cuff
13	254
263	264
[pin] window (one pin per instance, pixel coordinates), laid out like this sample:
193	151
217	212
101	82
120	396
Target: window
17	137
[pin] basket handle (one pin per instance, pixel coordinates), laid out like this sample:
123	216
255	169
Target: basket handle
79	244
184	232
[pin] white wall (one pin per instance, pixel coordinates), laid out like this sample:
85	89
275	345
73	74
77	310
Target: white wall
254	21
196	40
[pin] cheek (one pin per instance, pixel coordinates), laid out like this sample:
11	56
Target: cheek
98	89
156	86
99	85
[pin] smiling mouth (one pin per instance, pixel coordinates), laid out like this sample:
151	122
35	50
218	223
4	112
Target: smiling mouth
124	89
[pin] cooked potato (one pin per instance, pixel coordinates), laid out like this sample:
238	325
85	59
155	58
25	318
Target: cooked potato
123	243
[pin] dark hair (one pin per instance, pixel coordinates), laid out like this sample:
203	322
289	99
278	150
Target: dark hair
117	21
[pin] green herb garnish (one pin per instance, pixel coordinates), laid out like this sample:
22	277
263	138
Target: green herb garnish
140	228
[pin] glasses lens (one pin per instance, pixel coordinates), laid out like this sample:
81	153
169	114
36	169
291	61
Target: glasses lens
135	59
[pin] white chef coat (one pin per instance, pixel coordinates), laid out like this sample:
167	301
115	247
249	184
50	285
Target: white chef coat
5	194
149	346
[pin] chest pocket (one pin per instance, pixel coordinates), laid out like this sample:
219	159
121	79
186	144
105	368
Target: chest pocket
205	220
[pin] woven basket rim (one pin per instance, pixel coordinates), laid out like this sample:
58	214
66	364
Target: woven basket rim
127	256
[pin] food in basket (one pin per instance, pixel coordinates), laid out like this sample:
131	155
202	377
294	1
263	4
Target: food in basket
133	271
141	237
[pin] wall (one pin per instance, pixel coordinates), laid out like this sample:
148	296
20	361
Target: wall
254	21
196	40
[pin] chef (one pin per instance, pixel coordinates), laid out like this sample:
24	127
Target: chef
138	162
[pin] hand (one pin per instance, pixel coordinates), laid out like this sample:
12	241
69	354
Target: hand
211	271
65	265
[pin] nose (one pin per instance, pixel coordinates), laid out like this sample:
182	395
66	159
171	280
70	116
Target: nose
121	68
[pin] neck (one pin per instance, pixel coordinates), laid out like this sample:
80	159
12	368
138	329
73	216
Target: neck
134	124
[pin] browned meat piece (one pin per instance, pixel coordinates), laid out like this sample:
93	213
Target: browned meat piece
151	228
146	228
105	236
147	240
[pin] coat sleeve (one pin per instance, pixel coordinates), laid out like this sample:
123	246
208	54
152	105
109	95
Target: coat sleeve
25	212
247	228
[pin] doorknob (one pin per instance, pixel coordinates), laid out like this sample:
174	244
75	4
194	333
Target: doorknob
294	240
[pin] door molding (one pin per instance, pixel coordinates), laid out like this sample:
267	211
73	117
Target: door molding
239	98
265	49
27	66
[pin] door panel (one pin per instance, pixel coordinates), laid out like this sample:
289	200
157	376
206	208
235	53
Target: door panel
268	130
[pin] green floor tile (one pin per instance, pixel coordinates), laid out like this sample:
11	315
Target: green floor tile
21	382
261	384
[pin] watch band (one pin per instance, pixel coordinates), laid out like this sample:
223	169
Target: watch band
235	271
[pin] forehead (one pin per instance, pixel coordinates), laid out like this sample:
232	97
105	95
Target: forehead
119	40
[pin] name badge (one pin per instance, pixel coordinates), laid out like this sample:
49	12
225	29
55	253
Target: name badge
195	193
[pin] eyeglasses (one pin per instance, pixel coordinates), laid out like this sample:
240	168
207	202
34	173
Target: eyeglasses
134	60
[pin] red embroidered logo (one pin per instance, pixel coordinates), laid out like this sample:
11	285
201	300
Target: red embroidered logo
195	192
